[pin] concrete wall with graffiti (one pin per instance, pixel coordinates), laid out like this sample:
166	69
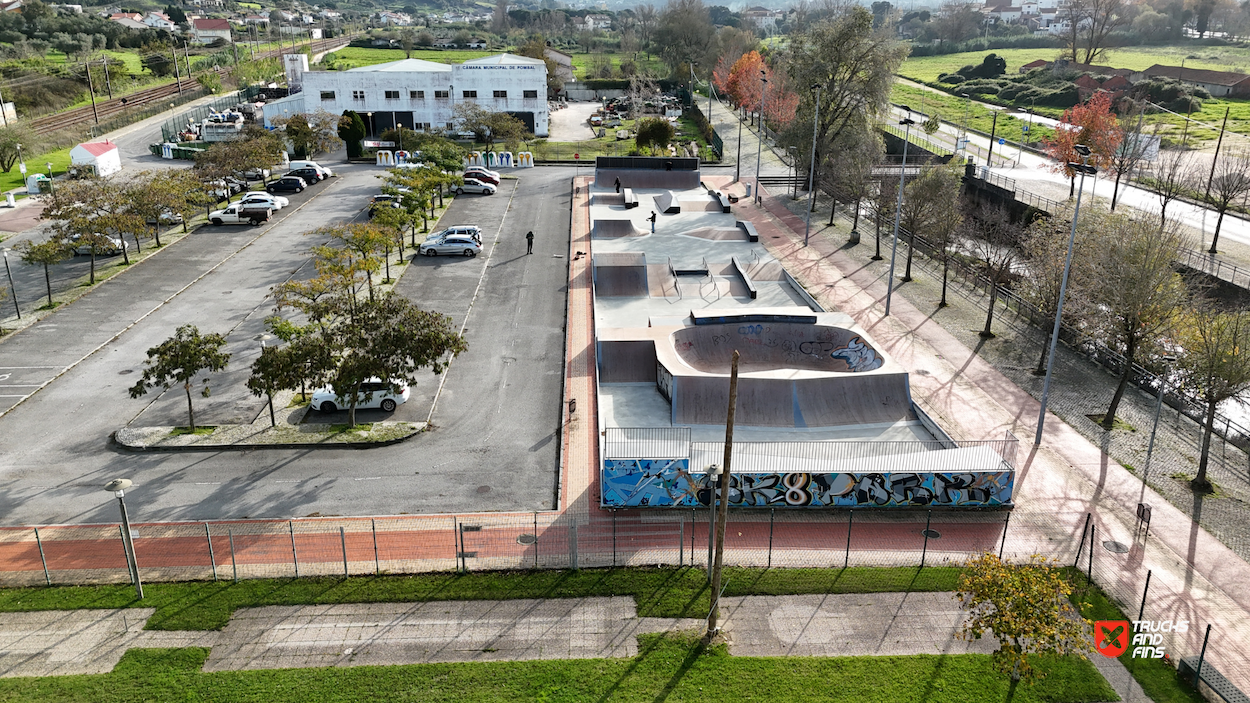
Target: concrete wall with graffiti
668	483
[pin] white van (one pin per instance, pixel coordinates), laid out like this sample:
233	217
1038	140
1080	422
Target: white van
325	171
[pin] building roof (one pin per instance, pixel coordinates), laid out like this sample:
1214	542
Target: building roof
98	148
1036	64
505	60
209	25
403	66
1196	75
127	22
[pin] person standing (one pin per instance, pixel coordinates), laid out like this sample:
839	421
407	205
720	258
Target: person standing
652	219
529	242
617	184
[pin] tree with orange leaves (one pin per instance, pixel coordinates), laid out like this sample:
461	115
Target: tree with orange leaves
1091	124
744	85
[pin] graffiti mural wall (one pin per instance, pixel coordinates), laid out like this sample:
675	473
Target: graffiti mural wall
668	483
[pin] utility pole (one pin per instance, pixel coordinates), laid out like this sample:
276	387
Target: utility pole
989	160
1217	154
91	91
4	113
722	514
177	73
186	54
107	82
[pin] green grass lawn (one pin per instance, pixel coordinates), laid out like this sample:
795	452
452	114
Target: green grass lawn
658	592
133	64
582	63
957	110
673	667
35	164
355	57
928	68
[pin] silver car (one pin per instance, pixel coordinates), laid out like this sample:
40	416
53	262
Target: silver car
104	246
450	245
472	185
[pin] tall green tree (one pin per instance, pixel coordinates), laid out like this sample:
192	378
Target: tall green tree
352	131
45	253
685	35
15	135
1215	367
276	369
310	134
178	360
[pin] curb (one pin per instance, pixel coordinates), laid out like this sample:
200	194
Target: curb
250	446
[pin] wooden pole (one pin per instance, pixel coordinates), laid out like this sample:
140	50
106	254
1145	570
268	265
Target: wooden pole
723	514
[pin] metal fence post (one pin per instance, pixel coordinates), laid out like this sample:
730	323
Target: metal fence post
535	539
573	546
455	540
211	556
681	543
849	524
294	554
1003	544
925	551
121	531
613	537
1202	655
377	565
343	542
1089	576
234	566
464	566
1142	610
47	579
771	512
1081	546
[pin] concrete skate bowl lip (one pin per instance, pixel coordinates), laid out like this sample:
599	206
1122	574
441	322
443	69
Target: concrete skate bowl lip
774	346
614	229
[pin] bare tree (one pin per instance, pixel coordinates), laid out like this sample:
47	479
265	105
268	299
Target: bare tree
1090	23
1174	177
1215	366
957	21
1137	289
1045	249
991	235
930	203
883	203
1230	182
647	16
850	173
1132	149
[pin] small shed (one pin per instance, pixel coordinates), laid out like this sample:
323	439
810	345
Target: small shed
101	157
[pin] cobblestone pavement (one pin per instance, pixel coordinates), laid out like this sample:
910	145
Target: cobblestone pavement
1079	388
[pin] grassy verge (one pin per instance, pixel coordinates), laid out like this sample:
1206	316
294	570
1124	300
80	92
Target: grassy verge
668	667
1157	678
927	68
35	164
658	592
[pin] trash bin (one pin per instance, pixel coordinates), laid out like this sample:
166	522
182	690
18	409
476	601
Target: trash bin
748	190
34	183
8	198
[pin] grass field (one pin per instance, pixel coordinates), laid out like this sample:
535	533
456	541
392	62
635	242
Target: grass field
583	63
928	68
35	164
674	667
354	57
954	109
133	64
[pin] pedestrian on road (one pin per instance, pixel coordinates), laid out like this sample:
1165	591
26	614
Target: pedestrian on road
617	183
529	242
652	219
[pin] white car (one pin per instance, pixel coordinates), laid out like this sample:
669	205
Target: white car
450	245
275	202
471	231
472	185
373	394
106	245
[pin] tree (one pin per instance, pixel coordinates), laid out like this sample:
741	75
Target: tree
499	21
1215	367
684	34
536	48
991	235
1045	249
310	134
471	117
1090	24
276	369
1174	177
1230	182
85	212
854	66
352	131
44	253
175	14
648	18
178	360
1091	124
157	59
155	195
1132	149
654	133
1138	292
408	41
1025	607
13	135
507	129
850	177
957	21
930	203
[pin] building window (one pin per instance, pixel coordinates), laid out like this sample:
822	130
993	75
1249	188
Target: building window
451	125
501	94
327	95
530	94
470	93
442	94
392	95
358	95
416	95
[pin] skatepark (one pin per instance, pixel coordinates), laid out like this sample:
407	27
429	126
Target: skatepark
824	417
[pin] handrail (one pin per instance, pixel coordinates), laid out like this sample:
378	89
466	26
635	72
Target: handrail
673	272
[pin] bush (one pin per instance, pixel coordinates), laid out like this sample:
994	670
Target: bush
951	78
984	86
991	66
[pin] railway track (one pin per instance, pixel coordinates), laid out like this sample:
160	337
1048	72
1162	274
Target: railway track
107	109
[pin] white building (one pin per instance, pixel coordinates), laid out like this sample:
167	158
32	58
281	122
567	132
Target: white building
207	31
158	20
102	158
423	95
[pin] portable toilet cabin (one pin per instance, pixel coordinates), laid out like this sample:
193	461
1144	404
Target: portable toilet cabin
102	158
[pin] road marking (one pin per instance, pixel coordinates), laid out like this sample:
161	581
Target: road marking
29	367
18	385
368	478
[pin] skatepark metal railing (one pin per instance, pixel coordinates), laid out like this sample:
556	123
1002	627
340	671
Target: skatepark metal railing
782	457
646	442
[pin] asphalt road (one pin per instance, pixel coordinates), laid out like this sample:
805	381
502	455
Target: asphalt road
495	442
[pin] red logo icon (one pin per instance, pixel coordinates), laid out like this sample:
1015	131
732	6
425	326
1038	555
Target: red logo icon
1111	637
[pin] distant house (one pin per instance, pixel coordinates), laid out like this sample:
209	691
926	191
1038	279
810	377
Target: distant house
255	19
394	18
762	17
131	24
330	14
474	43
159	20
1218	83
564	63
136	16
1087	85
16	6
206	31
100	158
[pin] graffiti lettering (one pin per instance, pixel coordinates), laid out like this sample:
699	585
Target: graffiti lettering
752	329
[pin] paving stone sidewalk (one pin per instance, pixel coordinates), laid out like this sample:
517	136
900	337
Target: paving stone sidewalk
53	643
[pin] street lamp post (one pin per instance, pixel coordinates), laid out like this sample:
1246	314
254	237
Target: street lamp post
118	488
759	147
738	160
1150	448
1084	168
50	188
794	169
11	287
21	163
811	168
967	113
907	122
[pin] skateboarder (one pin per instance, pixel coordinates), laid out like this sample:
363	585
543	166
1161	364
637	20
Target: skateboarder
617	183
652	219
529	242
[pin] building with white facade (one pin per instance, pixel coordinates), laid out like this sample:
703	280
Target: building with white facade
205	31
422	95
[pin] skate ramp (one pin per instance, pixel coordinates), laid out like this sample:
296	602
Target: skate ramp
626	361
852	400
719	234
701	205
667	203
648	178
621	275
608	199
774	346
614	229
803	403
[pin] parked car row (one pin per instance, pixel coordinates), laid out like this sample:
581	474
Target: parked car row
301	175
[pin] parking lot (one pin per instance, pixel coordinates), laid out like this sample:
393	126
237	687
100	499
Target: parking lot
493	446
